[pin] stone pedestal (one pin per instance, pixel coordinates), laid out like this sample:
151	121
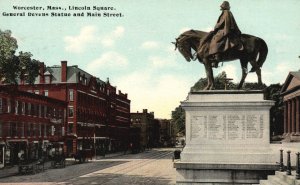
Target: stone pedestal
227	138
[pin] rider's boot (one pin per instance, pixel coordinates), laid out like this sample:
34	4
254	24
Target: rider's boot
217	60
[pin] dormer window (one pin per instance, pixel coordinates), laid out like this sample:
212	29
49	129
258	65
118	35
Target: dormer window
47	76
47	79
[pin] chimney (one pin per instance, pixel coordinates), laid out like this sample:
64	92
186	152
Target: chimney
145	110
64	71
42	71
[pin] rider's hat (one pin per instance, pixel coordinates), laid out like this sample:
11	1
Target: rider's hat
225	5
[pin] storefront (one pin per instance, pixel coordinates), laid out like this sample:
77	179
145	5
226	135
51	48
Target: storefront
2	152
16	151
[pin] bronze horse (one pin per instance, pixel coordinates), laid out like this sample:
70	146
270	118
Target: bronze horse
255	51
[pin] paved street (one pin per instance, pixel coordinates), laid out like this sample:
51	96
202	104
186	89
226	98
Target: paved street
149	168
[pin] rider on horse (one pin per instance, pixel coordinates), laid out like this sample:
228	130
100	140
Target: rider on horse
226	35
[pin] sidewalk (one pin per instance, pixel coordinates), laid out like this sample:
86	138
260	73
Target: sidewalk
8	171
13	170
107	156
112	155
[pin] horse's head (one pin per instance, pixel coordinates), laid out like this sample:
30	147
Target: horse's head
184	48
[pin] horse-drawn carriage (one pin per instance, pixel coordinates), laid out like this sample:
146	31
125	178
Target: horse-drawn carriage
83	155
58	157
31	167
59	161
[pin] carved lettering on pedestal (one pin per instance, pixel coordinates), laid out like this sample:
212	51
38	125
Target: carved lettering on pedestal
254	126
216	128
199	127
236	127
227	127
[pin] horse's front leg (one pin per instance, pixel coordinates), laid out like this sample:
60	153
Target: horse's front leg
209	75
258	73
244	73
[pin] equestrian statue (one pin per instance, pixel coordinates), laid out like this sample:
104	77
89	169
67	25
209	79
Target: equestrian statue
225	43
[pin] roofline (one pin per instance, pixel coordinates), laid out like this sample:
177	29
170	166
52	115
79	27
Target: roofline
20	92
290	91
288	78
81	70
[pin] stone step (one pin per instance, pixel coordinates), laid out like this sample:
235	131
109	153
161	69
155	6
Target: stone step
265	182
286	178
281	178
274	179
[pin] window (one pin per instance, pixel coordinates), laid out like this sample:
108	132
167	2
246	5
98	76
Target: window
23	108
8	106
28	129
71	95
40	110
70	128
13	129
36	92
29	109
45	112
47	79
35	129
22	129
33	109
1	129
45	130
46	93
16	107
0	105
71	112
40	130
48	130
54	113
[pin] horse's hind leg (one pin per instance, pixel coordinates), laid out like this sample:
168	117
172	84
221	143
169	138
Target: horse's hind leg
255	66
244	73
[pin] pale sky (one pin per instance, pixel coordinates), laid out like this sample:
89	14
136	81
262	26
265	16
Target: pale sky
135	50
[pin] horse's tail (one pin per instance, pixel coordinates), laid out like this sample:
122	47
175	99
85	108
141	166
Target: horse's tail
263	52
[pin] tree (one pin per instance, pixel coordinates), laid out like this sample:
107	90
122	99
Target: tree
219	83
13	67
254	86
8	44
272	92
178	119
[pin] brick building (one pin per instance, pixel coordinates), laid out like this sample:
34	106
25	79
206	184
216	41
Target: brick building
149	128
29	124
166	132
97	117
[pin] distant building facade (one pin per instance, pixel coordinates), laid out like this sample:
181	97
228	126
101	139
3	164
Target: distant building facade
29	125
149	128
97	116
291	98
166	132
